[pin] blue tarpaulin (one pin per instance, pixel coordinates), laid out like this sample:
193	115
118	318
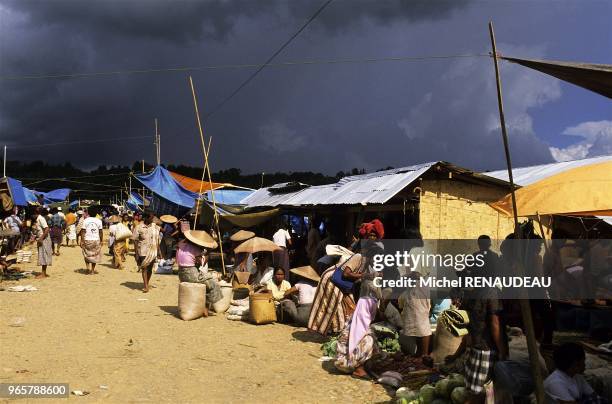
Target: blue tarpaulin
134	202
57	195
30	195
161	183
17	193
228	196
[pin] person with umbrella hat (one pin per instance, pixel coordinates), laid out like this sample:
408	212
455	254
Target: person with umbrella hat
304	289
191	257
169	230
243	261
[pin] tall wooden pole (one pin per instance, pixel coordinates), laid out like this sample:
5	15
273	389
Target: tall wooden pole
207	169
524	302
157	146
143	190
4	162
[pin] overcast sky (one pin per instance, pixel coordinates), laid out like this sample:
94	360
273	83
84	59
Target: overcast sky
323	117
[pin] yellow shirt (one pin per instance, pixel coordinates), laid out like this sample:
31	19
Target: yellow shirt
278	293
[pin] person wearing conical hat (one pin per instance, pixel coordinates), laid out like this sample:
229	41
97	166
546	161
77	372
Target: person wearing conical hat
242	261
169	230
303	292
192	260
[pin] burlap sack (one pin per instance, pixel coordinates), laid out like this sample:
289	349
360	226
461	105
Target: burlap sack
222	305
444	342
191	300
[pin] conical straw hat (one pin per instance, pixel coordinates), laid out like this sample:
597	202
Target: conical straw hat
201	238
242	235
307	272
256	244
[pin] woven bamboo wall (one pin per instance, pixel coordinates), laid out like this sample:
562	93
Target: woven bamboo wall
452	209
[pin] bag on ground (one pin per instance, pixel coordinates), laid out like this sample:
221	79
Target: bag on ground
191	300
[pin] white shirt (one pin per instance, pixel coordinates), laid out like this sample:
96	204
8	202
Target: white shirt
40	226
560	386
306	292
280	237
262	279
61	214
92	227
13	222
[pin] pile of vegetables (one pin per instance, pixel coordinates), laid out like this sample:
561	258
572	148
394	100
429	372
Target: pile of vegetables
329	348
387	337
390	345
450	390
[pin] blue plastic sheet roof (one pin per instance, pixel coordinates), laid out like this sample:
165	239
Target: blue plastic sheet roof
229	196
161	182
17	193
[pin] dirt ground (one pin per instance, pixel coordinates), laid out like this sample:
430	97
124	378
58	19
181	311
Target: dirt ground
101	330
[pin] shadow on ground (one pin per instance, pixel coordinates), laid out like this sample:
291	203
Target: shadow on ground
133	285
309	336
173	310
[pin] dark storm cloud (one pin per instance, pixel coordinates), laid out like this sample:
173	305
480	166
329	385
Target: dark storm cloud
343	14
178	21
322	118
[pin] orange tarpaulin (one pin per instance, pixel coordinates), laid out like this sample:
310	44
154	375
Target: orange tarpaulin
582	191
194	185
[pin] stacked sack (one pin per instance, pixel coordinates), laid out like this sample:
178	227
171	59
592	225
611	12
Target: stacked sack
238	310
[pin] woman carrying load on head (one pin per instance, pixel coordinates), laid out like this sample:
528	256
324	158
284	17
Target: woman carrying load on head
191	257
333	305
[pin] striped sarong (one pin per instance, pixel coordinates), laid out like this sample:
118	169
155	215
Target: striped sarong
331	307
45	252
92	251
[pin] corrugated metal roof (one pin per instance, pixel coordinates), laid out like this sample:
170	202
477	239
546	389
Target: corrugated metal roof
527	175
373	188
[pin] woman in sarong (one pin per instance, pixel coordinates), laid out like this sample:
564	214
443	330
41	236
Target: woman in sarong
332	306
357	342
191	256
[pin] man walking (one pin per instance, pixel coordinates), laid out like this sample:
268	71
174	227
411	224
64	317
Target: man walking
57	225
91	242
147	240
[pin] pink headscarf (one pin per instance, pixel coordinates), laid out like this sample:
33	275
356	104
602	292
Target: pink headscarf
364	314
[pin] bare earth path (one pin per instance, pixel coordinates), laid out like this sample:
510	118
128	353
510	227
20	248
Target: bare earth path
91	331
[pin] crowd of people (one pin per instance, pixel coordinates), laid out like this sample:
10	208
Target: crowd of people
335	294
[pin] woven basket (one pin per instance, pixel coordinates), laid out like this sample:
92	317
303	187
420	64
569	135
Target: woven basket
241	280
261	308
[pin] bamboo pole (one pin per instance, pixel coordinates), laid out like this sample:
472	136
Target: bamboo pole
524	302
207	168
157	147
195	221
143	190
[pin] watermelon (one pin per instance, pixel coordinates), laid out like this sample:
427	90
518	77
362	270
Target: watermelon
427	394
459	395
458	379
405	392
443	389
440	401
